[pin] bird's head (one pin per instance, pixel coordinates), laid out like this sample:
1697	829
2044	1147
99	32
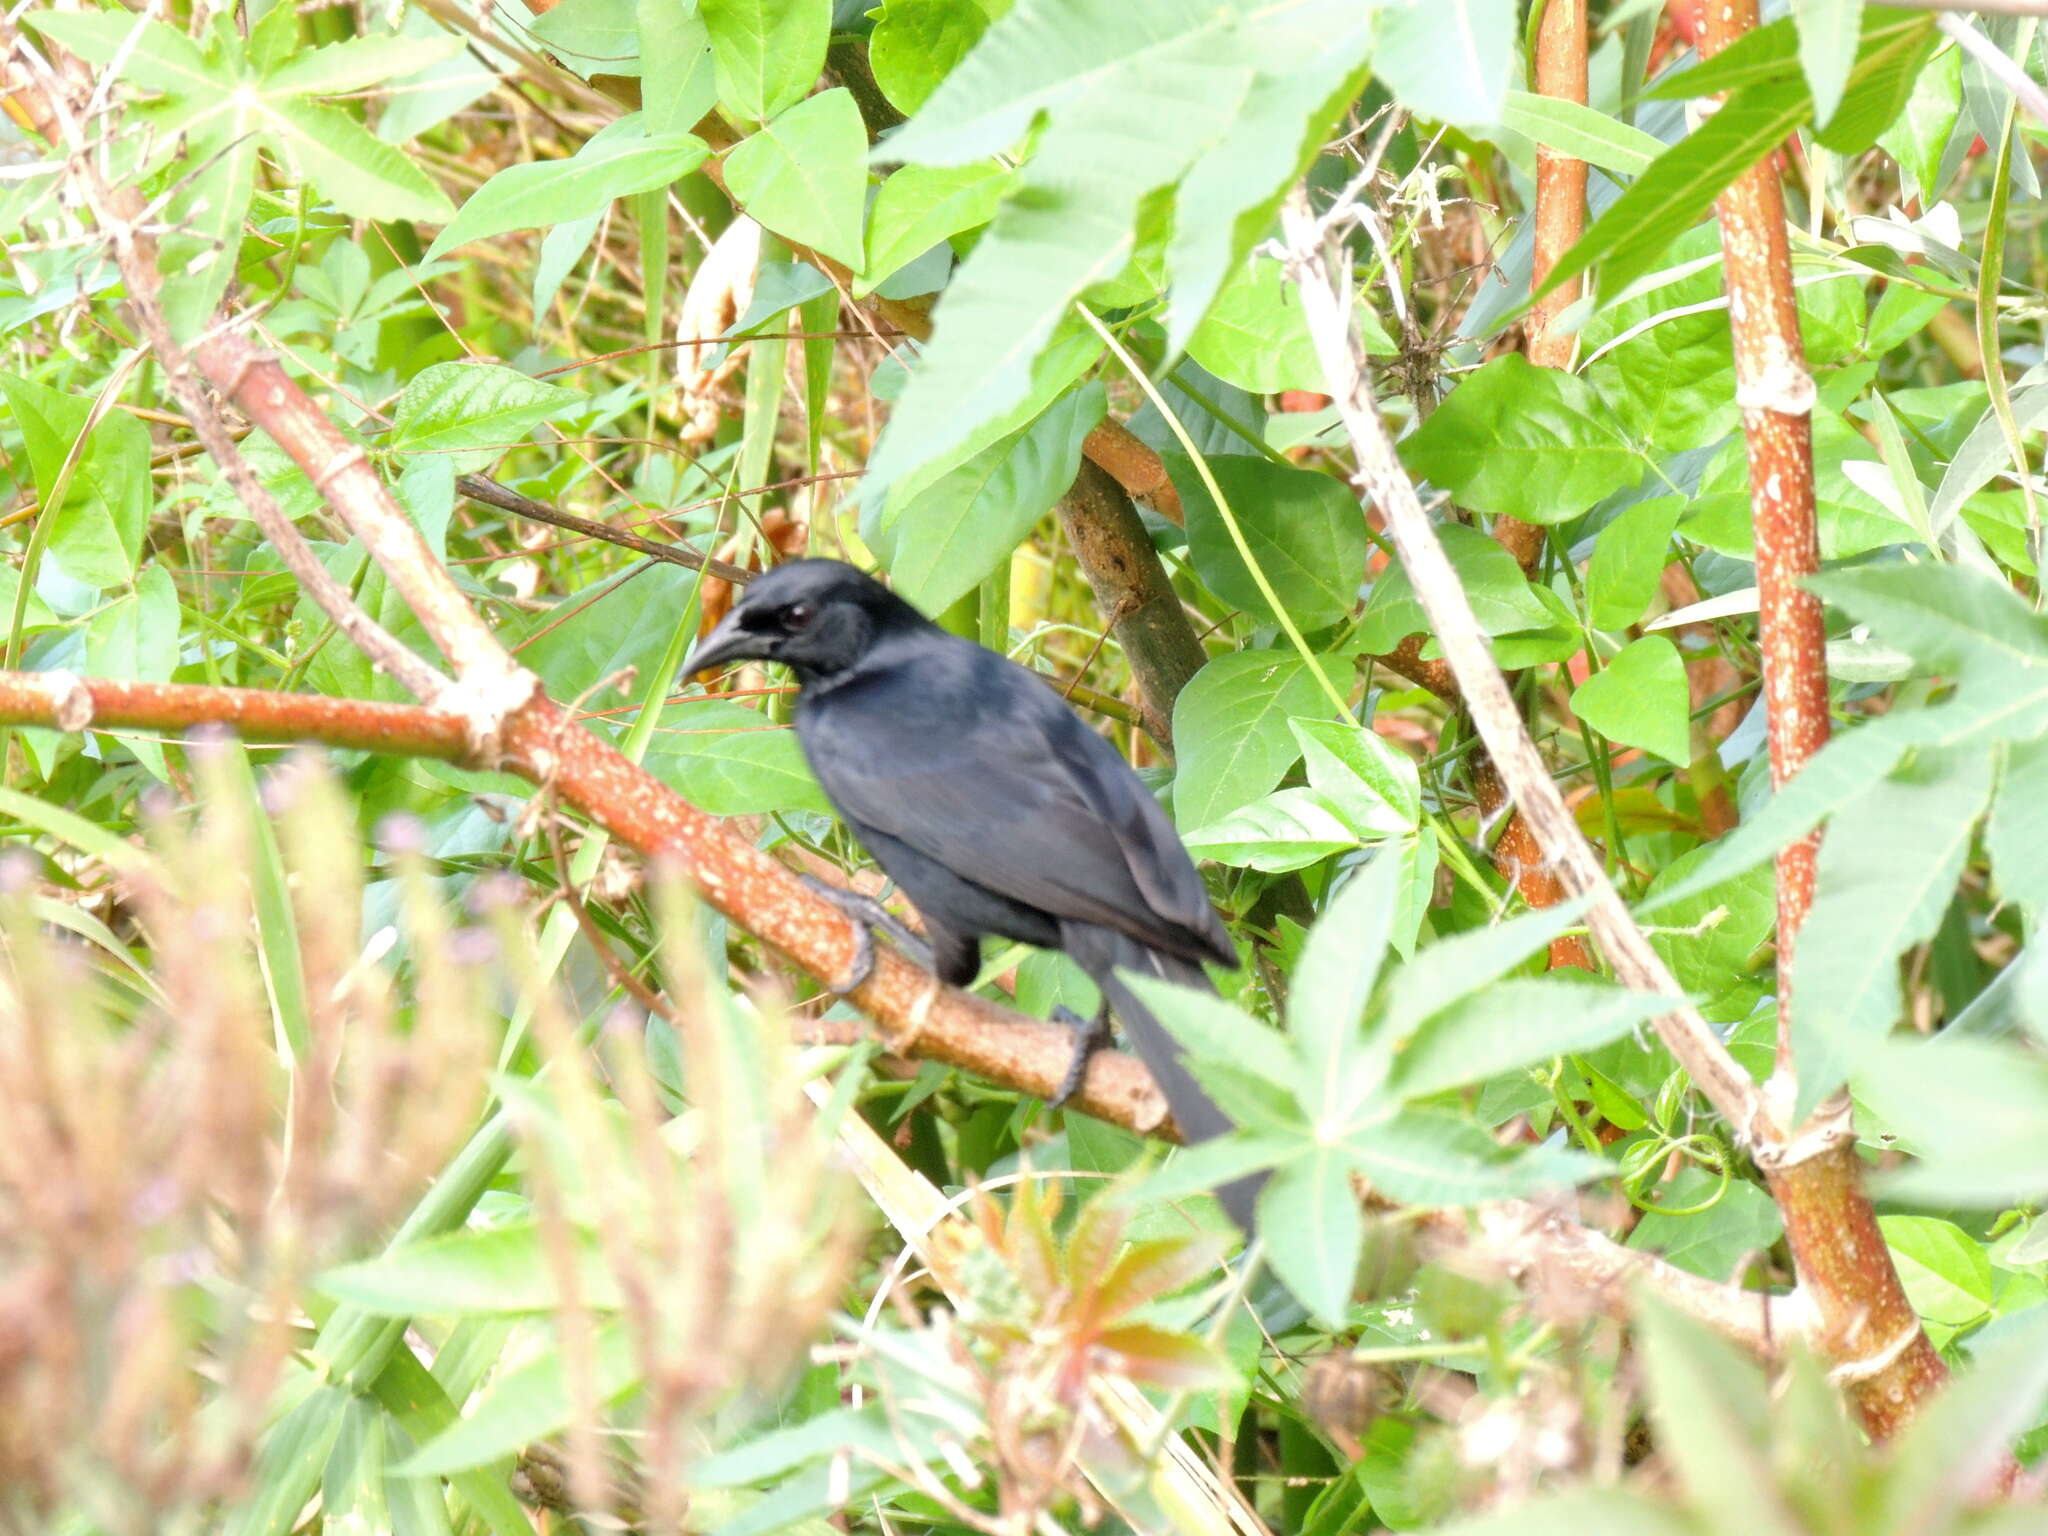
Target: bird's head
817	617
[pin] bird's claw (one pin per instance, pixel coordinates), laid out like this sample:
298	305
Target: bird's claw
1090	1035
866	914
863	964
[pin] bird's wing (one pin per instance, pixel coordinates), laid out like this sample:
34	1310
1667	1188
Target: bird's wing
1014	794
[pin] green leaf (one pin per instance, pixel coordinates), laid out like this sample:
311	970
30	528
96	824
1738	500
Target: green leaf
1071	355
357	64
1949	618
1255	335
1971	1110
1581	132
1942	1461
940	542
918	206
916	43
1712	1409
1516	1023
1662	358
1680	187
1737	1227
1314	1232
1448	62
618	162
1919	138
288	1466
2018	829
1514	439
1286	830
1458	966
1945	1271
1306	531
1846	767
733	761
200	257
592	37
678	75
1228	730
769	52
161	59
429	97
1709	938
135	639
1828	33
527	1404
610	629
1248	86
1640	699
1629	556
357	172
1215	1031
804	175
1500	594
1374	786
494	1270
1435	1158
96	535
1888	869
475	411
1576	1512
1331	985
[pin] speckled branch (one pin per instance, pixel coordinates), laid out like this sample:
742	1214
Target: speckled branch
1862	1319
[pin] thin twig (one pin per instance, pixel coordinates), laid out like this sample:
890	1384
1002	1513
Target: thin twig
1690	1038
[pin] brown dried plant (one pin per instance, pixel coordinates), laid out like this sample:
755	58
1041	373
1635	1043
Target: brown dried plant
724	1235
192	1124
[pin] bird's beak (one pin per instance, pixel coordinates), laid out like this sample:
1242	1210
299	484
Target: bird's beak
726	644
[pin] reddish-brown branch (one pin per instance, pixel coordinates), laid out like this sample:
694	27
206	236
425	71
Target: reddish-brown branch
71	703
1861	1316
1560	219
1776	395
1518	856
1560	182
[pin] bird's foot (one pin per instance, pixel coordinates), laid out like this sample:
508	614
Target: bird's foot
866	915
1090	1036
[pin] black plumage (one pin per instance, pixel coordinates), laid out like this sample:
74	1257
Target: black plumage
988	802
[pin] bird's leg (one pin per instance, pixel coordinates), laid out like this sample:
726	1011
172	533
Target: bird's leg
867	914
1090	1036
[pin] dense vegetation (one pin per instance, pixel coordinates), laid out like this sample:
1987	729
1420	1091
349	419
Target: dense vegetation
418	1118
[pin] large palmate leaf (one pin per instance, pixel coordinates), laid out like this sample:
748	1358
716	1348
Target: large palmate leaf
954	530
1768	99
233	98
1249	89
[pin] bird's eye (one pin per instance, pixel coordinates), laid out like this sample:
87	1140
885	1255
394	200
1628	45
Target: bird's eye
798	615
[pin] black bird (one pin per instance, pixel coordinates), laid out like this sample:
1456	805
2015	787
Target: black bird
989	803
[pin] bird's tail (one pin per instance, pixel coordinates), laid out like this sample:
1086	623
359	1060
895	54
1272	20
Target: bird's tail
1198	1116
